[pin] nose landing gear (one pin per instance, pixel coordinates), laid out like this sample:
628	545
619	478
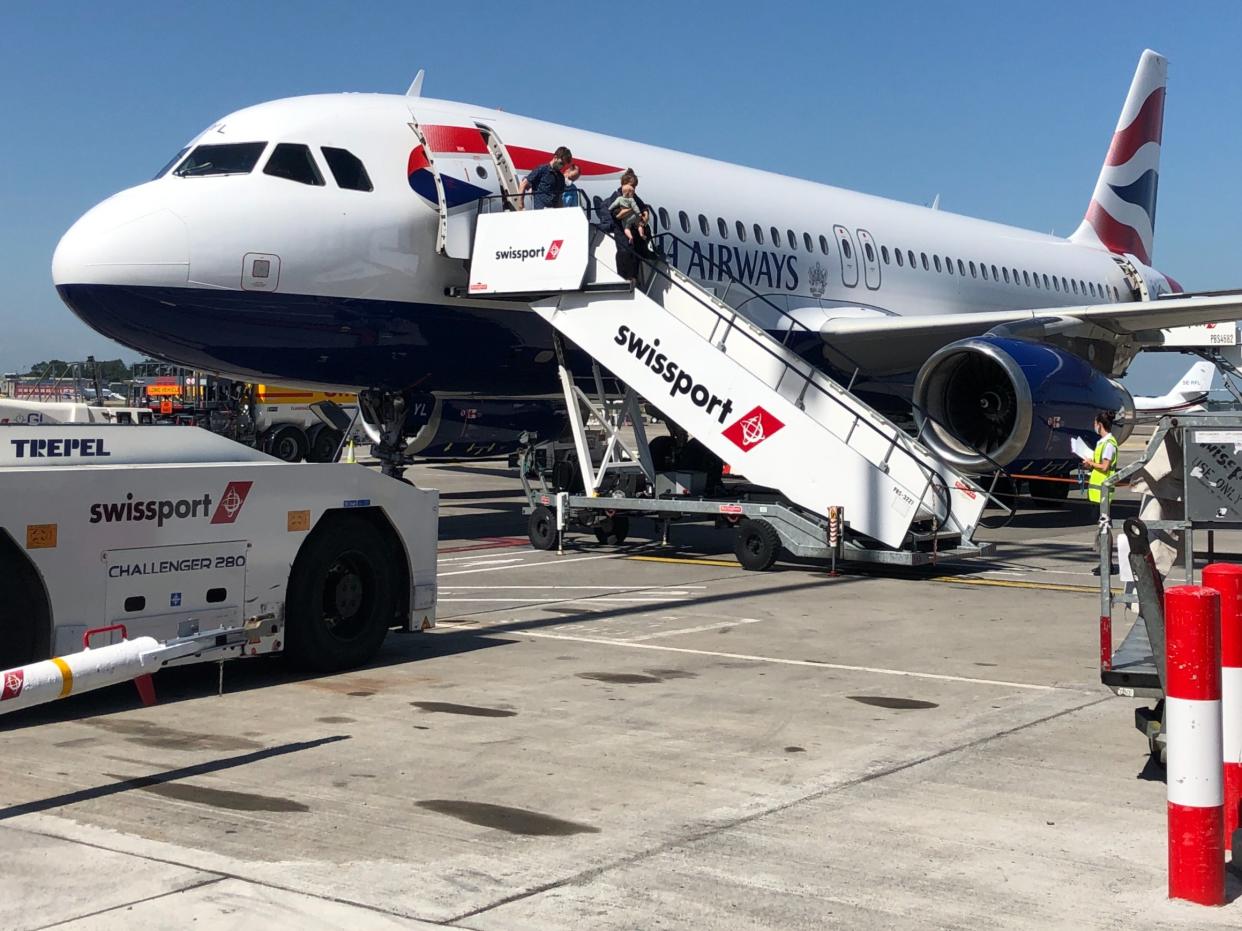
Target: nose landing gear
393	419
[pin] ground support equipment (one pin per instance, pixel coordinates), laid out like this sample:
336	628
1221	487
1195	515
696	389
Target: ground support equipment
173	531
1191	471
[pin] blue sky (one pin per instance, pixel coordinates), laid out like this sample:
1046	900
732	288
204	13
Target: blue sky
1005	116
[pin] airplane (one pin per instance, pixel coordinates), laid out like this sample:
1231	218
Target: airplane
317	240
1188	396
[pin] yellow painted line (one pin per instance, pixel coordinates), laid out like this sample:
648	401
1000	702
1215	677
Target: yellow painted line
1010	583
688	562
66	676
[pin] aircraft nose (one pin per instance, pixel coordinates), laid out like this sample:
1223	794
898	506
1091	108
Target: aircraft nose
126	240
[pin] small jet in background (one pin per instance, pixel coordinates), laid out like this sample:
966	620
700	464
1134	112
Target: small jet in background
1188	395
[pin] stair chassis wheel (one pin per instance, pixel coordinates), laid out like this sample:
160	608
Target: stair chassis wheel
756	545
613	529
541	528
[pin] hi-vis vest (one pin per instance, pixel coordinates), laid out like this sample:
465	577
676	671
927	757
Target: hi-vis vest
1106	448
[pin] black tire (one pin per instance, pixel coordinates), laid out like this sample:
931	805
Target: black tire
324	445
663	451
756	545
342	596
541	528
1051	494
23	612
287	443
613	530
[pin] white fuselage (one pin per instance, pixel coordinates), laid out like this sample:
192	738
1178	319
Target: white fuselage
349	260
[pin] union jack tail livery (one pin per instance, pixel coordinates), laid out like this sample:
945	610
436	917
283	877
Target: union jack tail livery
1122	215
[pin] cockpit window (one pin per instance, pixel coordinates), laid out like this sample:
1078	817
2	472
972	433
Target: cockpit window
347	168
172	161
234	158
295	163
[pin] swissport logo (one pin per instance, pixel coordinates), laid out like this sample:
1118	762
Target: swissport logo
14	682
752	429
553	250
231	502
549	253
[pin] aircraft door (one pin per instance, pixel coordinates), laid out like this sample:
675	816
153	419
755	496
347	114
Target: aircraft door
870	258
849	256
450	166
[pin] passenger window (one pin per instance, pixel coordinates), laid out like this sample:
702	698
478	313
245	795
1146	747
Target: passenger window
869	251
1056	285
910	256
293	163
1026	277
995	276
1116	293
1091	288
1074	285
758	231
235	158
347	169
807	242
1005	272
823	243
1064	285
741	230
703	227
983	270
897	256
723	227
972	269
663	215
923	255
961	268
684	219
884	254
846	249
1046	283
793	240
948	265
936	261
776	237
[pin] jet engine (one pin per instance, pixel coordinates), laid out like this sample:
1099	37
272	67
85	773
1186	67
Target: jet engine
989	400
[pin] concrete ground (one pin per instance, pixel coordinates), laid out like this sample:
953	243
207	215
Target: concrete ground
623	737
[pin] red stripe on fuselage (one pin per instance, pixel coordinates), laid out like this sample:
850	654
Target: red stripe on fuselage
1146	127
1116	236
460	139
525	159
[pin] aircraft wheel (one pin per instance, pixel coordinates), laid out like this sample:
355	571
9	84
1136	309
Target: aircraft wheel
613	530
756	545
542	528
286	443
342	597
1049	493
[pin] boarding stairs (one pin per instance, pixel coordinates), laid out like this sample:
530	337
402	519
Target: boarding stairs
731	384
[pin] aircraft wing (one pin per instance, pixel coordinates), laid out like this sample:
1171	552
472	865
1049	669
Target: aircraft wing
904	342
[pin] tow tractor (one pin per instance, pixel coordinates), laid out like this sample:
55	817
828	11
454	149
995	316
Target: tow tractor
198	549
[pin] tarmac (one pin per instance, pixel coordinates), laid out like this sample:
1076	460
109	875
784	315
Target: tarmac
624	737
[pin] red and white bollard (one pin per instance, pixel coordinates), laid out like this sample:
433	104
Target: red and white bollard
1227	579
1192	723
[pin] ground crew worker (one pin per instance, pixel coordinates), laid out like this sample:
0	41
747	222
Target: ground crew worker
1103	462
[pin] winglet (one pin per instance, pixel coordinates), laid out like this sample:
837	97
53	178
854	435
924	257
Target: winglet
416	86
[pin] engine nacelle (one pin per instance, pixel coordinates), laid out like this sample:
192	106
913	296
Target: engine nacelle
1017	401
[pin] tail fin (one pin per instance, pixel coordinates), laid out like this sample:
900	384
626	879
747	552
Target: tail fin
1198	381
1122	214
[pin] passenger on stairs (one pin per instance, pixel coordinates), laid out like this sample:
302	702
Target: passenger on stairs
547	182
630	213
570	197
